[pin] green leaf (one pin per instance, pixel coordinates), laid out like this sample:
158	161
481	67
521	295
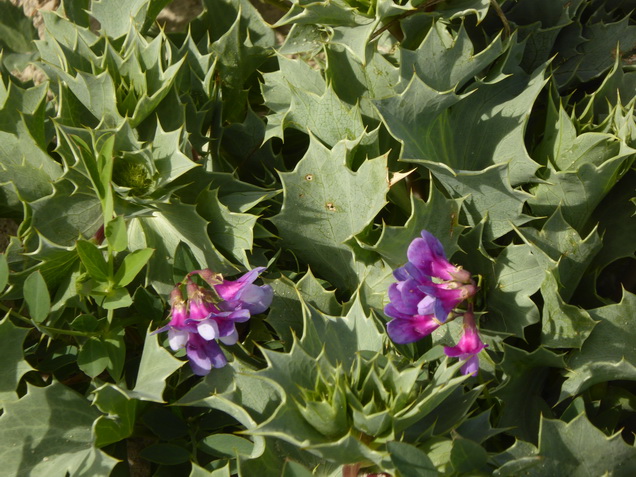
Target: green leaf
132	265
522	390
116	234
445	60
16	30
226	445
564	250
97	94
577	192
564	326
597	53
117	298
468	456
360	80
608	354
93	357
333	204
498	201
169	225
492	119
313	293
578	448
93	259
617	223
168	157
14	365
294	469
134	13
201	472
121	415
116	349
285	313
86	323
232	232
155	367
4	272
412	113
338	336
439	215
67	214
409	461
36	295
64	444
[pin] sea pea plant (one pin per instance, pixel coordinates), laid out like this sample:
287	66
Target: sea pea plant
389	238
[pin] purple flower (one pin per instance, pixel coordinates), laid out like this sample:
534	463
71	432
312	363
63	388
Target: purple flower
211	314
429	287
204	355
468	347
242	293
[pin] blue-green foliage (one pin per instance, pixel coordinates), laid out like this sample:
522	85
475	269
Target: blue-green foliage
319	146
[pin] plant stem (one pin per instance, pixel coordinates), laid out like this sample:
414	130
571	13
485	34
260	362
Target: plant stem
43	328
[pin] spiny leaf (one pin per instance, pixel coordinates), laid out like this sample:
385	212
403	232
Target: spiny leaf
446	60
333	203
577	192
497	201
564	325
440	216
27	447
564	249
577	447
232	232
169	225
14	367
608	354
157	364
522	389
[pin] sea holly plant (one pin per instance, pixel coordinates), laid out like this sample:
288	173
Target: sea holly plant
388	238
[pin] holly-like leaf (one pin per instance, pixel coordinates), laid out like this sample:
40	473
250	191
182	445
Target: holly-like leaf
333	204
439	216
608	354
446	60
577	192
521	392
136	14
155	367
169	225
230	231
14	367
492	119
598	50
564	325
64	444
574	448
409	460
486	193
340	336
564	250
67	214
359	81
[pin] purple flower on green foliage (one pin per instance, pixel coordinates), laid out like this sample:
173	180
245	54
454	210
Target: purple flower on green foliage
427	292
211	314
429	287
468	347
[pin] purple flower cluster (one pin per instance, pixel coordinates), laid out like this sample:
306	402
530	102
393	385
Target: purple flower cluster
211	314
428	289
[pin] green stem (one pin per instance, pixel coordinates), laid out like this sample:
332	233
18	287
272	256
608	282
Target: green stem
43	328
